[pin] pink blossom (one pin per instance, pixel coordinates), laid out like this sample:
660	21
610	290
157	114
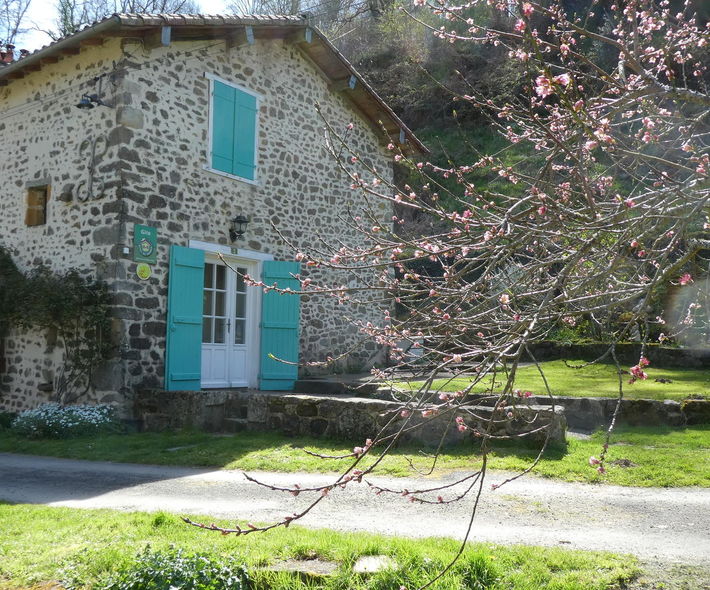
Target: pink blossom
504	299
685	279
405	413
637	373
543	86
562	79
527	9
594	461
519	25
350	126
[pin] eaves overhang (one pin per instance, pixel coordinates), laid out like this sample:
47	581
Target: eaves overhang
157	29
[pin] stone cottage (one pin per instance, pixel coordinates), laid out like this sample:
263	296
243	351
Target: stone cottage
157	151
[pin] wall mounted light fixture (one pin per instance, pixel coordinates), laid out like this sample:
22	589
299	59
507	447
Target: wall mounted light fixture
238	227
89	101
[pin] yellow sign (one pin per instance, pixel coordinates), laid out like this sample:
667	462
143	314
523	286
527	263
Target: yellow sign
143	271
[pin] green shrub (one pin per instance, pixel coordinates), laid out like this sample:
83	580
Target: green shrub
6	419
173	569
55	421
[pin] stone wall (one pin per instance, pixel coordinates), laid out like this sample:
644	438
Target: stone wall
300	195
150	148
591	413
627	352
346	418
48	141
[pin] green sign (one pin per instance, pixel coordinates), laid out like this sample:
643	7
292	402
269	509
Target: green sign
145	244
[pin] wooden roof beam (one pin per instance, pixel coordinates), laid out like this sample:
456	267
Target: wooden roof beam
92	42
344	84
239	37
300	37
158	38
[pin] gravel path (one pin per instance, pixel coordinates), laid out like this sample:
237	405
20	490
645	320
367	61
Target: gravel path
657	525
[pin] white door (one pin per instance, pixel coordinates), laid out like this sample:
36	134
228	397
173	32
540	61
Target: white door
228	320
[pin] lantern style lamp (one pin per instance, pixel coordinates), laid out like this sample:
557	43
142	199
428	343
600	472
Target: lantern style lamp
238	227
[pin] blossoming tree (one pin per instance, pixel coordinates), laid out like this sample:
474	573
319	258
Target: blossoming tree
611	205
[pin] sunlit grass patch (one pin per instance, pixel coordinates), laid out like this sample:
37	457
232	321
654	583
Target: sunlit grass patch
598	380
40	544
661	456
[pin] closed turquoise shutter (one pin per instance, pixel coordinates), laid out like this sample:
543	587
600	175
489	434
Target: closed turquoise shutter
233	131
183	347
245	135
223	127
279	327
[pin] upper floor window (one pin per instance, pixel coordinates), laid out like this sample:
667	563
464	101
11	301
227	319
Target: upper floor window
233	129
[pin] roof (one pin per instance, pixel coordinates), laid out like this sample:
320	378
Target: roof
340	73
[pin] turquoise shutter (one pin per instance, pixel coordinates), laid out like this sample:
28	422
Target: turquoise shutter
279	327
244	135
223	99
183	347
233	131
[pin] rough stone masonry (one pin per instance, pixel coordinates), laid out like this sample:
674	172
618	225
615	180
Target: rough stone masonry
142	160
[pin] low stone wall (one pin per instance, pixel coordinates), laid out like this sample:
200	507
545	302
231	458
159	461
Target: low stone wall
590	413
627	352
350	418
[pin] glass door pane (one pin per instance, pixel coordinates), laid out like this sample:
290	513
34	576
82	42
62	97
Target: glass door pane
240	307
214	304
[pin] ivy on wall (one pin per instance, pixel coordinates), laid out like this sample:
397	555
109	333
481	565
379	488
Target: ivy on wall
74	312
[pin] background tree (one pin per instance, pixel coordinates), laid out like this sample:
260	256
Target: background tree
12	19
72	15
605	204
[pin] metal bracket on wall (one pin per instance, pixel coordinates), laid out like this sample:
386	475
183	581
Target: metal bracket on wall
90	150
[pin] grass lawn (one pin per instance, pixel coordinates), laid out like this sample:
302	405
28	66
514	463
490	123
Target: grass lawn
664	457
39	544
594	381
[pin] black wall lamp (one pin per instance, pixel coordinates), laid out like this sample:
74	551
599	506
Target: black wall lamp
89	101
238	227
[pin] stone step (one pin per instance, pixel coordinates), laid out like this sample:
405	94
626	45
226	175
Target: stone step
333	386
234	424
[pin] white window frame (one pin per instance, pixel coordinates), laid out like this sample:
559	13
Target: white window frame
259	98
